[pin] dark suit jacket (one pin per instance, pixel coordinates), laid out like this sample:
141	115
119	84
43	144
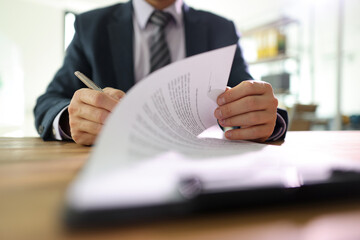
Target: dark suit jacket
102	49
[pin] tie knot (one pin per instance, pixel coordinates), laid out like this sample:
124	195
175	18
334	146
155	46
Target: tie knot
160	18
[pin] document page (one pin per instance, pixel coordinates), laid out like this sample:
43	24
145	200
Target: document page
168	109
155	138
166	112
155	133
164	133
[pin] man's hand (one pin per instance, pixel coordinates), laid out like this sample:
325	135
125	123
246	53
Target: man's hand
252	106
88	111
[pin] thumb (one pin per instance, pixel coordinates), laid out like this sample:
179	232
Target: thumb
114	93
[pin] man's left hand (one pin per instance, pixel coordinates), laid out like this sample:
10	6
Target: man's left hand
252	106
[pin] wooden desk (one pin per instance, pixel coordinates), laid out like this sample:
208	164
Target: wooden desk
34	176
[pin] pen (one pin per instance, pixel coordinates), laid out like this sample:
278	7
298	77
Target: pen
87	81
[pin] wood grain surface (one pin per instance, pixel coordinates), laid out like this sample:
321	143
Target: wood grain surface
34	176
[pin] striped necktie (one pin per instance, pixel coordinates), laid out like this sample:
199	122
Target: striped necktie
159	50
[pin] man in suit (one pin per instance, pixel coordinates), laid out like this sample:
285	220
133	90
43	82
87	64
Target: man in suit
112	46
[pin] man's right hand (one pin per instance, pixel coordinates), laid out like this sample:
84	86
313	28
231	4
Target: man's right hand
88	111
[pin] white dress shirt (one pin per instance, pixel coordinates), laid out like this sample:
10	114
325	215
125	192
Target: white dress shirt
143	30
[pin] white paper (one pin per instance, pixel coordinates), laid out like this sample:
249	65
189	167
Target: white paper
166	112
155	138
151	138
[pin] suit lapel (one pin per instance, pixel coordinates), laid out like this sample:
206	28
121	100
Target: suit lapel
195	32
121	44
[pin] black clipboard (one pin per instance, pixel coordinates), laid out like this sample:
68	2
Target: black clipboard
195	199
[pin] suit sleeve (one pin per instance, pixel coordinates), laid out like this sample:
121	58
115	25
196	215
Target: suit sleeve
61	89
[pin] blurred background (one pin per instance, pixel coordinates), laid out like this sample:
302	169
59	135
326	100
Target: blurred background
308	50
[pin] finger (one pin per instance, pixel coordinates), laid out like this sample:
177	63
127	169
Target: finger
245	88
241	106
86	126
91	113
83	138
96	98
78	109
249	119
258	133
115	93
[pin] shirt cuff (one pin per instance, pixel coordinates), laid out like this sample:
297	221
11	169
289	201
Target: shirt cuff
280	129
58	133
